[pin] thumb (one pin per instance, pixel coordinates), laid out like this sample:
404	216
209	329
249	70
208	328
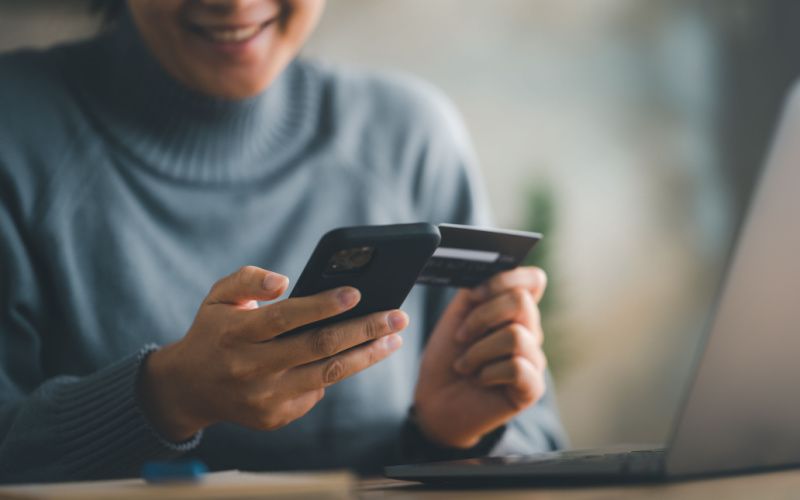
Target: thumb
247	284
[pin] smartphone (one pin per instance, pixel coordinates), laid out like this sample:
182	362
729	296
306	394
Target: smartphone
382	262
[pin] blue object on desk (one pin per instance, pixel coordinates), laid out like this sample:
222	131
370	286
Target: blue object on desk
176	471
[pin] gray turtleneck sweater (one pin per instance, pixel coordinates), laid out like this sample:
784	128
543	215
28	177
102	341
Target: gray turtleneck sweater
123	197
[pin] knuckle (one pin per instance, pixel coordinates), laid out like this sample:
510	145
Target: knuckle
533	320
538	335
215	288
267	398
278	318
240	371
519	368
519	297
374	328
269	422
505	280
374	354
259	401
524	400
324	342
517	338
246	274
539	360
519	403
254	402
533	393
333	372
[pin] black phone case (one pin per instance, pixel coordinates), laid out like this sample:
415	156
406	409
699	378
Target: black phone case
400	252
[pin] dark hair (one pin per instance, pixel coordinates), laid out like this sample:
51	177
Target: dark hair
109	10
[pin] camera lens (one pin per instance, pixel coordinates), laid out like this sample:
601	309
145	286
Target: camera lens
350	260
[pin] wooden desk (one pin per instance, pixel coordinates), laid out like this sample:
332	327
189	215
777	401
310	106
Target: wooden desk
340	486
774	485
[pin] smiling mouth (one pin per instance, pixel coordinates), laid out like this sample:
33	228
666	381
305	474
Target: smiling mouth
228	34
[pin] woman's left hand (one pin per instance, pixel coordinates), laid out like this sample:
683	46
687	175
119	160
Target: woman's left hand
484	362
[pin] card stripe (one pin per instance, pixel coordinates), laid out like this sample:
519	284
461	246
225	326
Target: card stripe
464	254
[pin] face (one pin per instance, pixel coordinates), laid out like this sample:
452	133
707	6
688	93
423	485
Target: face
231	49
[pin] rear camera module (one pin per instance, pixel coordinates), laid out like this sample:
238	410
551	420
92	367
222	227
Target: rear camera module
349	260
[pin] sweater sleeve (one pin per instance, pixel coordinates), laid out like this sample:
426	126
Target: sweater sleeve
451	190
64	427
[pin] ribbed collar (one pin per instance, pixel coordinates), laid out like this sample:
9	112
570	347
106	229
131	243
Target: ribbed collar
187	135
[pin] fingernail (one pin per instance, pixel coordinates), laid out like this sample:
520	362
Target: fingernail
393	342
347	296
459	365
273	282
396	320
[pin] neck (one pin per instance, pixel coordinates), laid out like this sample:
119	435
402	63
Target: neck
182	133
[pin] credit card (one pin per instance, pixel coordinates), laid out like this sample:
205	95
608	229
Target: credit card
468	255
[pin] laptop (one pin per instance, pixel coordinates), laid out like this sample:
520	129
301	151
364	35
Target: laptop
741	410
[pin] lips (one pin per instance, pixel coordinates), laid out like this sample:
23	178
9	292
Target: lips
230	34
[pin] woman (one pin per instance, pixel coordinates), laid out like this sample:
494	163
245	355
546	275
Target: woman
139	167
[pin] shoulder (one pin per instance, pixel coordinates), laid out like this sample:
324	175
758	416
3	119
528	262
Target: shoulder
31	80
39	120
393	95
390	108
406	132
20	65
35	93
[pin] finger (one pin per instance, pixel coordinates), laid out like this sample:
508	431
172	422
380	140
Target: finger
324	373
516	371
509	341
513	306
324	342
530	278
269	321
523	383
247	284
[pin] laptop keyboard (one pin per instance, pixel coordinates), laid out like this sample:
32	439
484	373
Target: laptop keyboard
649	461
610	464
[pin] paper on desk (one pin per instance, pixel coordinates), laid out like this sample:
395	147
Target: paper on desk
228	484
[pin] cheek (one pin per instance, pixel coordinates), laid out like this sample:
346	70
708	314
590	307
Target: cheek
285	42
159	23
157	19
303	18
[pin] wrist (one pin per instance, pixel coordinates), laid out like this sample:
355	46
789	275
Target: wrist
160	397
419	446
438	435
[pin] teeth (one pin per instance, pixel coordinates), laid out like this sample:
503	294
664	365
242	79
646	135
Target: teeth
232	35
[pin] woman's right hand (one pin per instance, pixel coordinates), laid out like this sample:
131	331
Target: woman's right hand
234	366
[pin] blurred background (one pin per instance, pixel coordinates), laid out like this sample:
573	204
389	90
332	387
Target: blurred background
629	132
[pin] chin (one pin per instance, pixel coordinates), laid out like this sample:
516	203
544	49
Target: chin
233	88
238	92
236	85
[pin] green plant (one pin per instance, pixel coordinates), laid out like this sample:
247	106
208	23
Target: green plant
541	215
